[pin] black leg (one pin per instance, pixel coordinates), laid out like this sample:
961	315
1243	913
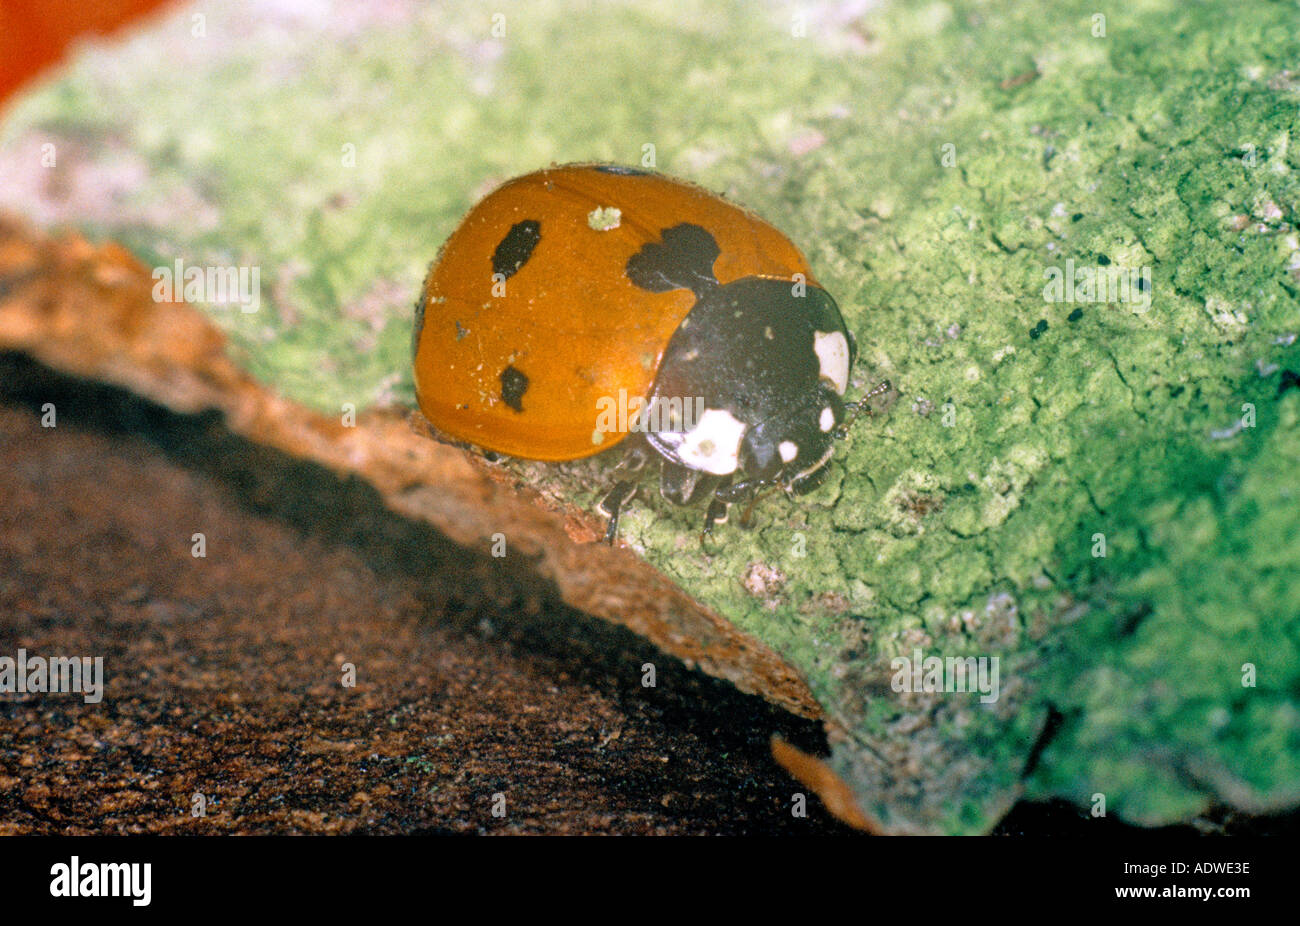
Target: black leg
626	473
717	513
728	494
734	492
682	485
747	519
613	503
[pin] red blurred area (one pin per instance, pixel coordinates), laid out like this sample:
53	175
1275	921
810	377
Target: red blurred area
35	34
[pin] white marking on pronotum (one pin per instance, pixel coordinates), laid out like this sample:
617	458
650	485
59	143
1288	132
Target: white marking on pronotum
788	450
827	419
833	355
712	446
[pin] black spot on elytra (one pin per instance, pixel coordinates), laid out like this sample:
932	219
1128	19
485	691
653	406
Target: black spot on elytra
516	247
620	170
513	386
461	331
1075	315
1037	331
684	260
1290	380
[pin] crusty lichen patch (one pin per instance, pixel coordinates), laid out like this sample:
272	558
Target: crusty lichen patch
936	161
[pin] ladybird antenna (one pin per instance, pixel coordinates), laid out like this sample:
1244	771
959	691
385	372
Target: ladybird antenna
859	407
879	389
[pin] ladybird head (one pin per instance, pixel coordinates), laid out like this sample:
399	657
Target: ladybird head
792	385
791	444
768	363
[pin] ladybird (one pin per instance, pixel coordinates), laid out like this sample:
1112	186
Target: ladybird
592	306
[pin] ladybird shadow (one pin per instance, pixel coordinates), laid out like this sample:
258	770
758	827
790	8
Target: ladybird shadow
458	588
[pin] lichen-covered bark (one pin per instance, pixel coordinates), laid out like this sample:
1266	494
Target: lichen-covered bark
935	160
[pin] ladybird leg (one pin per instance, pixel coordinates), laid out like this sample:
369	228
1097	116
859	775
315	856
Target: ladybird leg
747	519
624	488
633	461
613	503
733	492
717	513
747	491
681	485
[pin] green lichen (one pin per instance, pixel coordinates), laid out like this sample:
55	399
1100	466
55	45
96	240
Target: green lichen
965	518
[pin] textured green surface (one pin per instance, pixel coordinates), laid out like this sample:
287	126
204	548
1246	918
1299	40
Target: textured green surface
1164	143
